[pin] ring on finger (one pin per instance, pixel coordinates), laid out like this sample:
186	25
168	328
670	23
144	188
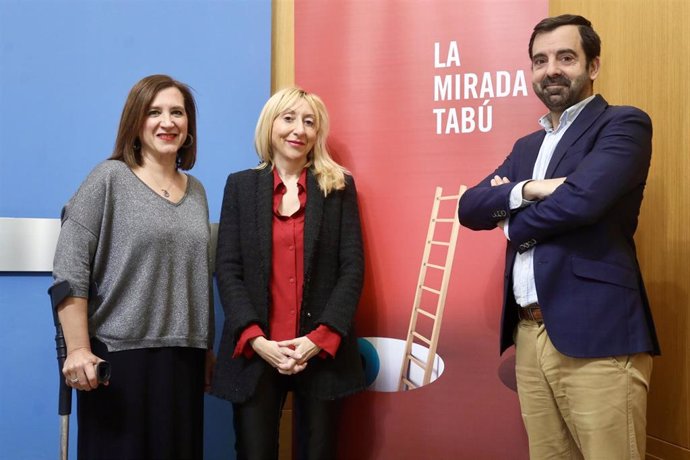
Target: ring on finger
74	380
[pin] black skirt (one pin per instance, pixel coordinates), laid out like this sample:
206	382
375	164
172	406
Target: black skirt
152	409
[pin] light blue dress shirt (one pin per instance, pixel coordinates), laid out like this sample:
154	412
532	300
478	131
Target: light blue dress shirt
524	287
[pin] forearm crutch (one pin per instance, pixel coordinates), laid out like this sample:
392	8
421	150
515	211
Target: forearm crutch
58	292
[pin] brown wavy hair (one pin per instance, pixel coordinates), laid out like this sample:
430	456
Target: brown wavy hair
142	94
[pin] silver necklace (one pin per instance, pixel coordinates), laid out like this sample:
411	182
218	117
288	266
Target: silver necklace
166	194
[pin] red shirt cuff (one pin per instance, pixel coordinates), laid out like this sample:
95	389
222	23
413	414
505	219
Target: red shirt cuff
325	338
243	347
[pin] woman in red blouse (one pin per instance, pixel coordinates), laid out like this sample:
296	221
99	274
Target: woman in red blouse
289	270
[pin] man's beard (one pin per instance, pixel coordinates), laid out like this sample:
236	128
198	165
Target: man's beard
568	92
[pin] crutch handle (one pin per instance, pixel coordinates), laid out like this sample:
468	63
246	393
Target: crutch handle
103	371
58	292
65	392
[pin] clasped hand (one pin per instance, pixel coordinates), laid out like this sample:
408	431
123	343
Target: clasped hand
80	369
288	356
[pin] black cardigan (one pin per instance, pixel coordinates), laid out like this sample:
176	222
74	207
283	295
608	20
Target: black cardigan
333	276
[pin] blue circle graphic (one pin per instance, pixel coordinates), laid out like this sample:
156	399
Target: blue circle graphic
370	360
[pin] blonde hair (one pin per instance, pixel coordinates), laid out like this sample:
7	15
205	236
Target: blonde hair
329	174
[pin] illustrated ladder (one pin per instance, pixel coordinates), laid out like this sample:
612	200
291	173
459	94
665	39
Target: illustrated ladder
436	315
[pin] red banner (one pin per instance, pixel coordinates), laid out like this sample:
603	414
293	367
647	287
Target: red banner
424	94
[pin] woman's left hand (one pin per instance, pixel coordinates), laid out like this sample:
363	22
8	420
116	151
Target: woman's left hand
302	348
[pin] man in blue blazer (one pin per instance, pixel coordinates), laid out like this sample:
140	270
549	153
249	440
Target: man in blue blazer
568	198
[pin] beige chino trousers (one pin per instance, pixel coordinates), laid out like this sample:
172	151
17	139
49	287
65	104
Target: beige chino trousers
575	408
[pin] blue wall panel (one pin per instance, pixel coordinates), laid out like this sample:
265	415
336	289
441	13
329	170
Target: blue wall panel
65	70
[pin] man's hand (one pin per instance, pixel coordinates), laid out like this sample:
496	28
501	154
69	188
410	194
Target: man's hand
539	189
498	180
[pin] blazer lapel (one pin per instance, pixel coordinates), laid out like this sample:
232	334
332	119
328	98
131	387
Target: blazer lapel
312	220
583	121
526	166
264	219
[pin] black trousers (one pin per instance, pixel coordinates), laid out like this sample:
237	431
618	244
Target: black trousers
153	408
257	421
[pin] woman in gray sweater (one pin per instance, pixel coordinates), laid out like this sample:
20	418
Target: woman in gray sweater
133	259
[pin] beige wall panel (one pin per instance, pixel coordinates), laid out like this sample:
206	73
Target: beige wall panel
283	75
646	63
282	44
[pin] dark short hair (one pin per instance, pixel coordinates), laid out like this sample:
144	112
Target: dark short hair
140	98
591	43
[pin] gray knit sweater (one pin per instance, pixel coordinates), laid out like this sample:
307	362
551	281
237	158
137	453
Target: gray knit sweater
142	261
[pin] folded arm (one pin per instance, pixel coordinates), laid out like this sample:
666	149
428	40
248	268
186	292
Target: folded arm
616	165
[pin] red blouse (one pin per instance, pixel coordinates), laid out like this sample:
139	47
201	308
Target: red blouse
287	279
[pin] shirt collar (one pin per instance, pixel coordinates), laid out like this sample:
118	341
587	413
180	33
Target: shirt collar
278	182
567	117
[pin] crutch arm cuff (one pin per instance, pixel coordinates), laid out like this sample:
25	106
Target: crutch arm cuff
59	292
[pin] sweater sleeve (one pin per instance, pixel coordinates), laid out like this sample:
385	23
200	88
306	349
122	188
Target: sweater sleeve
209	255
79	234
73	255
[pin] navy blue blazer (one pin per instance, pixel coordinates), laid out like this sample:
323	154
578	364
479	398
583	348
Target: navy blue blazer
586	271
333	277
